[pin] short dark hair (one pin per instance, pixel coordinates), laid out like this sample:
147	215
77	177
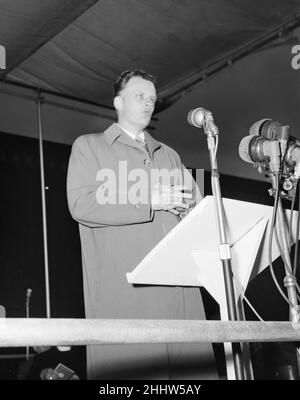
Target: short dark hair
127	75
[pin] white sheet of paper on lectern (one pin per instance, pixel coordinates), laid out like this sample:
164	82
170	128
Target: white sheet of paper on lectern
189	254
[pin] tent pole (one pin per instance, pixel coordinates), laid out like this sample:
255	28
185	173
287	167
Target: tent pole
43	193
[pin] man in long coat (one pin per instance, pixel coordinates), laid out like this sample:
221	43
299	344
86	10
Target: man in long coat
117	232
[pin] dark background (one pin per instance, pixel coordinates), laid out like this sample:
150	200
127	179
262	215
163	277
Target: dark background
21	250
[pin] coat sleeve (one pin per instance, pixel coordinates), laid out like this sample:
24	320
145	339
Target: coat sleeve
82	189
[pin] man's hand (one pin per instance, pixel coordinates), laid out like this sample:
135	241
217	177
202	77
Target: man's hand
171	198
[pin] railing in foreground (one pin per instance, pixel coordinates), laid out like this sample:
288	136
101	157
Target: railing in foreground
16	332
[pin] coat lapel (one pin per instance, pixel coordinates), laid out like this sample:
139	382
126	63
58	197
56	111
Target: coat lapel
115	134
152	143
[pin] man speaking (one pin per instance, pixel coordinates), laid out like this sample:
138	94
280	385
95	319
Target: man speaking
120	221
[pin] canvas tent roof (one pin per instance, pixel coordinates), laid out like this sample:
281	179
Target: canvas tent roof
76	48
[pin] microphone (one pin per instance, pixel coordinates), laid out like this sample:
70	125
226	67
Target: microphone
200	117
2	312
28	294
272	130
258	149
292	158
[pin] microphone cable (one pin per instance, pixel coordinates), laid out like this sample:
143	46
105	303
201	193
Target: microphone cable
297	237
272	229
287	265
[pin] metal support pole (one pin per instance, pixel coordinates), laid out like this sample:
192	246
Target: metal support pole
288	280
43	193
225	254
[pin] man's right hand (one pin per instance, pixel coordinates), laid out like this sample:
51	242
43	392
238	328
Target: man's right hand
170	198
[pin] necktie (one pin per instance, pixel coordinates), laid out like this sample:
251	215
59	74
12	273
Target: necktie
141	142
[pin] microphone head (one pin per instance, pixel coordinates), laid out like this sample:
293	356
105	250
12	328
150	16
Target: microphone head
244	149
28	292
272	130
196	117
256	128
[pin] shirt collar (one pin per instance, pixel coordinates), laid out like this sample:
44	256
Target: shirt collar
132	135
115	133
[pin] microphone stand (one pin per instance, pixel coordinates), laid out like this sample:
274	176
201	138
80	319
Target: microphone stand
224	247
28	294
288	280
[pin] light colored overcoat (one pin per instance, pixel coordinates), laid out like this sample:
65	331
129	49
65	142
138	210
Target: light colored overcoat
114	239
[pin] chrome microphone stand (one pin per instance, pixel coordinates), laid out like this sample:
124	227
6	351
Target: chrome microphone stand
28	294
211	132
289	281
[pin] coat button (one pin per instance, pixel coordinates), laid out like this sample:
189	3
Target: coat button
146	162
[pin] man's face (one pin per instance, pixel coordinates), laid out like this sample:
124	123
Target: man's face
135	103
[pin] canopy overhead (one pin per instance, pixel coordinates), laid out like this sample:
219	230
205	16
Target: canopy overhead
76	48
